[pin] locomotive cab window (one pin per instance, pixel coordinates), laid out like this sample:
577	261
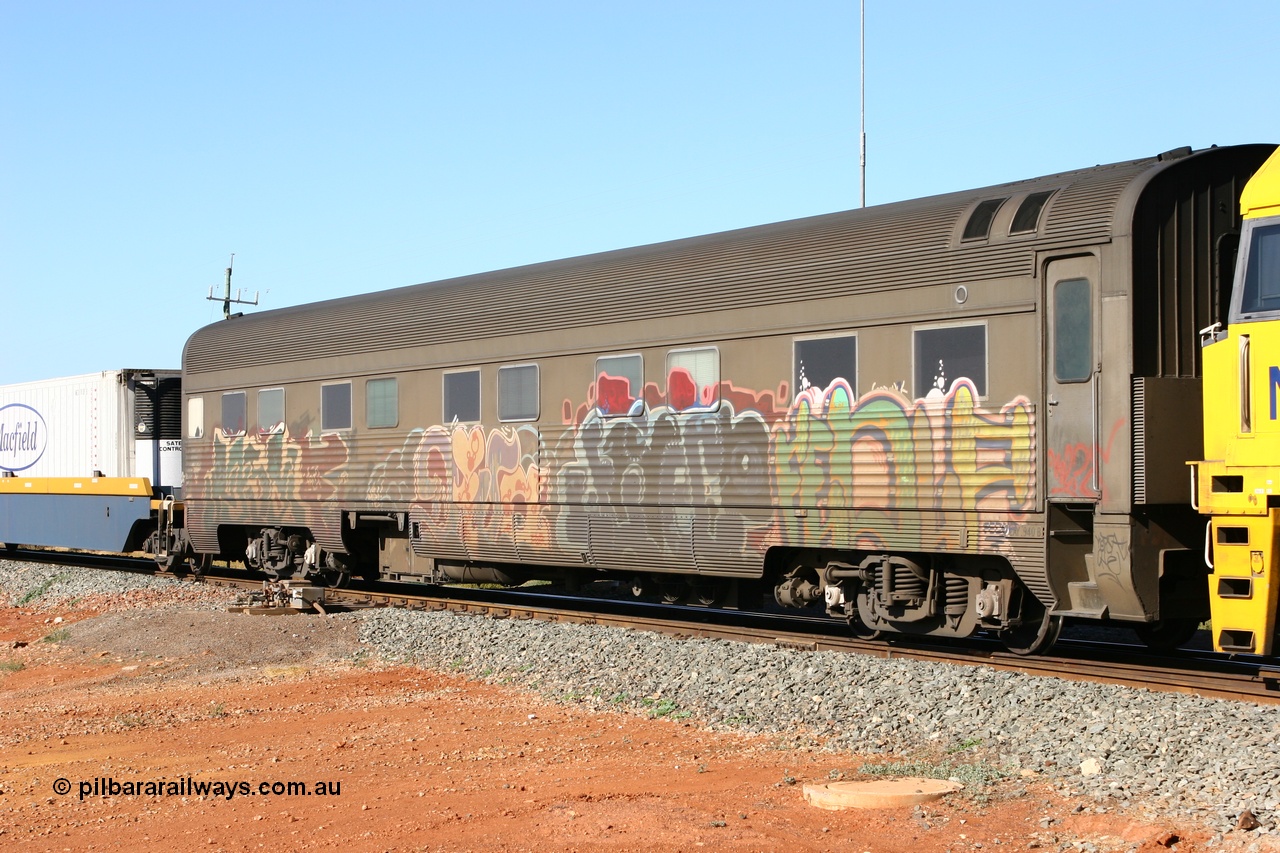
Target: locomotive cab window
693	379
944	354
335	406
619	384
234	411
820	361
271	411
462	397
1261	291
381	402
979	225
518	393
1072	330
195	417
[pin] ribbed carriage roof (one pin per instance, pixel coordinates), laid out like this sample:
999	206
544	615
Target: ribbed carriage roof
892	246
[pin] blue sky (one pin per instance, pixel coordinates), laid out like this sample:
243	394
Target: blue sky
339	148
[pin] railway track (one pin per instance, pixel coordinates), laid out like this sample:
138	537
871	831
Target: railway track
1205	675
1200	673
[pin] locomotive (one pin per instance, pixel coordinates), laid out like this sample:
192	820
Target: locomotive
963	413
1236	482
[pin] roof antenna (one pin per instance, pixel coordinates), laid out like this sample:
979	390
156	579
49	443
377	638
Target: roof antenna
226	299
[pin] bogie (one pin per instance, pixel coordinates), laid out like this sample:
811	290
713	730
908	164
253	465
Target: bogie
918	594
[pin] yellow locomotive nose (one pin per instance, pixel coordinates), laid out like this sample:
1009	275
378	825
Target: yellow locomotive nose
1238	479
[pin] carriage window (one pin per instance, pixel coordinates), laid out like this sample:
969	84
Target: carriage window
693	379
233	413
979	224
462	397
518	393
271	411
1027	216
619	384
821	361
944	354
1072	331
381	402
195	417
335	406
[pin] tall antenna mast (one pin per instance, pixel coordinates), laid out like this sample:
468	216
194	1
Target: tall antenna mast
862	105
226	299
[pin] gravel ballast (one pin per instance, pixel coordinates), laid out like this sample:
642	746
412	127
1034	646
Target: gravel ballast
1158	754
1208	760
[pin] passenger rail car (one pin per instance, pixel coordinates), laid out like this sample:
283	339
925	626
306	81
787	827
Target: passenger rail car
960	413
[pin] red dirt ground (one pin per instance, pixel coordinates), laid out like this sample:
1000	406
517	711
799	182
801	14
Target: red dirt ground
426	761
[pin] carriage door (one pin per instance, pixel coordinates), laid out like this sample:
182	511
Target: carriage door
1071	380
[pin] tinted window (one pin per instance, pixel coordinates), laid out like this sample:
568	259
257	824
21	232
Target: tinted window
335	406
271	411
462	397
233	413
1072	330
693	379
979	224
821	361
1028	214
946	354
381	402
619	383
1262	271
518	393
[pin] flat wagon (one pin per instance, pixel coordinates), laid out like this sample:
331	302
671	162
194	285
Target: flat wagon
82	458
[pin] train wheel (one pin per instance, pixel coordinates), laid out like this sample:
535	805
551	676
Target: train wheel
170	563
336	578
710	593
643	586
673	591
1165	635
335	570
1039	629
857	627
184	564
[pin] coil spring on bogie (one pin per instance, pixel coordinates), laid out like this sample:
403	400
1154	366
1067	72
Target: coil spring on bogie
908	586
956	594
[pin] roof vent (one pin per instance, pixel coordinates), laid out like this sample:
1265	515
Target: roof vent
1174	154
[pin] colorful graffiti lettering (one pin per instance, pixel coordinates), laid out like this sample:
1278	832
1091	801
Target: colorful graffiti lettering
295	470
714	486
863	468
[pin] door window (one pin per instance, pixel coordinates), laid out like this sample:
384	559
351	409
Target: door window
1072	330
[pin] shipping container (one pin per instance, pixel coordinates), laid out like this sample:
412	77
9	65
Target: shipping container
117	423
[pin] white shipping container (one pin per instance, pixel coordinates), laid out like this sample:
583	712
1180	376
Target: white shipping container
117	423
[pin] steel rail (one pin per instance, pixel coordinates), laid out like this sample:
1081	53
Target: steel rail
1239	678
1209	675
